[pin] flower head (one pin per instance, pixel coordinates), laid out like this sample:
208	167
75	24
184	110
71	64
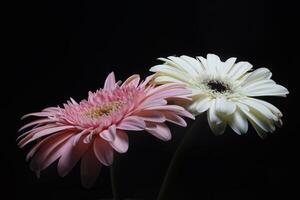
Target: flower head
92	129
226	90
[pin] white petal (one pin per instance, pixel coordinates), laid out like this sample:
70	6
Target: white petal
203	104
184	65
259	121
212	113
228	64
259	130
171	71
168	79
275	110
256	75
213	62
239	123
171	63
194	63
215	123
203	62
239	69
224	107
260	83
267	90
217	129
260	108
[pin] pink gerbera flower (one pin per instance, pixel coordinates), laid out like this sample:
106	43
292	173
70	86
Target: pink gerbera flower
92	129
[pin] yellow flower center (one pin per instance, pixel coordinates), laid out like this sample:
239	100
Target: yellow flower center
99	111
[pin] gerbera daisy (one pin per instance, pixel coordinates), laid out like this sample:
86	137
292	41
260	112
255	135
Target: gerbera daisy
91	129
226	90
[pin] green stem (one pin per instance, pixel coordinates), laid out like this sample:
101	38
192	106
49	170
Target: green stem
112	181
188	139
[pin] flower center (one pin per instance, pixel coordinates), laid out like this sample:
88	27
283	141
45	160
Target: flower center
99	111
218	86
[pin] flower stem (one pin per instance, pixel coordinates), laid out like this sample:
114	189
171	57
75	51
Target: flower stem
112	180
186	144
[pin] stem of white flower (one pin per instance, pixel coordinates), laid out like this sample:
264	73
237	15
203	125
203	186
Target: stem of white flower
178	156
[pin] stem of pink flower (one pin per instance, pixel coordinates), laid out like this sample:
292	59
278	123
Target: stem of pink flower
112	181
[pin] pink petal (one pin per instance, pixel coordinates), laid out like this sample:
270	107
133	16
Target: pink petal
70	156
88	138
148	103
166	92
89	169
160	131
147	80
40	121
33	131
36	114
185	113
132	81
109	134
73	101
103	151
41	144
51	109
174	108
152	116
163	87
47	132
133	123
110	82
172	117
120	144
49	152
77	137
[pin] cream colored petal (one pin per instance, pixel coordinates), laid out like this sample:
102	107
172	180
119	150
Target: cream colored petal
170	71
274	109
239	122
228	64
204	63
259	130
168	79
194	63
224	107
256	75
217	126
239	70
203	104
259	120
260	108
184	65
259	83
166	69
266	90
170	62
212	115
213	63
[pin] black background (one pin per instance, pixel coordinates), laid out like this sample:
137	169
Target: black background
64	49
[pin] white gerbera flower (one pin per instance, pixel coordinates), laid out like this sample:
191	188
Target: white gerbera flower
225	90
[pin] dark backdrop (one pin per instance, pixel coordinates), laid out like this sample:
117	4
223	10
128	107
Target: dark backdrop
63	49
